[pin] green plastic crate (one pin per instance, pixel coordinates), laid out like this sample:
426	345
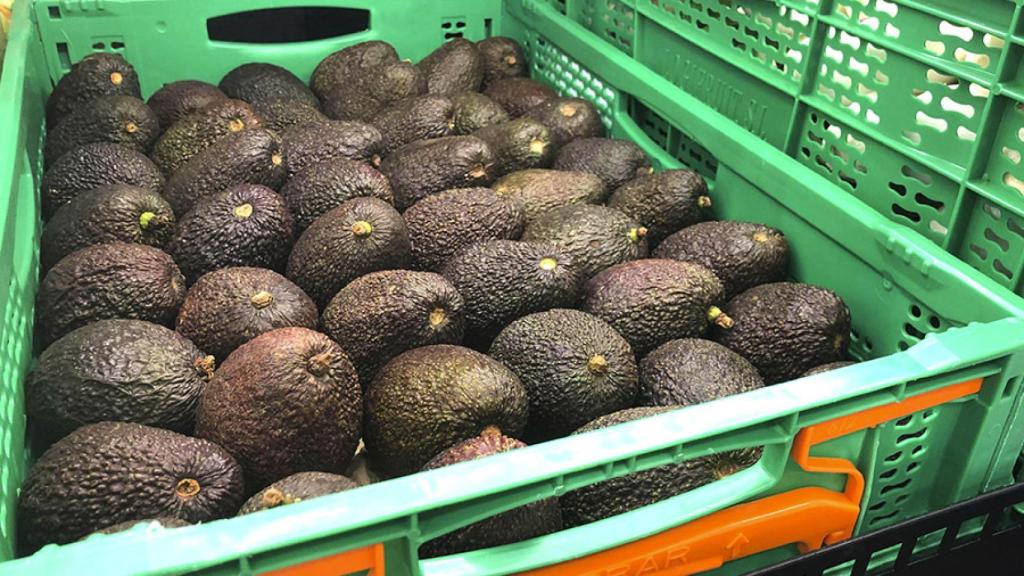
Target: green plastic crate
922	320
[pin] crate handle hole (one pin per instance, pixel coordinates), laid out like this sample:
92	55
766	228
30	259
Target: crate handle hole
283	25
98	46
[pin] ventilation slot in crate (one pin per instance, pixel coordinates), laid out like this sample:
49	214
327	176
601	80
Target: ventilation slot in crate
569	78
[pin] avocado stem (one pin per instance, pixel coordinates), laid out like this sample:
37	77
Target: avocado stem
319	364
720	318
537	146
145	218
235	125
437	316
760	236
131	127
548	263
274	497
205	366
567	110
491	431
375	160
276	159
187	488
116	78
243	211
511	60
261	299
362	228
636	234
704	201
597	364
479	171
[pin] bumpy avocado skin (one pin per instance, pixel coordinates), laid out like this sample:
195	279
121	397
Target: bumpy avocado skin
691	371
245	225
453	67
443	224
412	119
309	144
280	115
262	82
123	120
615	161
663	202
200	130
337	68
501	57
154	373
124	472
326	185
357	82
286	401
598	237
518	144
529	521
567	119
427	167
828	367
517	95
784	329
92	166
653	301
540	191
741	254
247	157
472	111
296	488
361	236
501	280
382	314
113	213
98	74
428	399
575	367
175	100
228	307
105	281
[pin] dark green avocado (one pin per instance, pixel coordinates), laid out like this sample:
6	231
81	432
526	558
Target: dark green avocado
472	111
361	236
501	57
615	161
412	119
427	167
154	373
690	371
280	115
651	302
113	213
597	237
540	191
92	166
256	82
297	488
567	119
420	389
247	157
453	67
103	281
175	100
228	307
366	92
196	132
310	144
529	521
625	493
245	225
443	224
336	70
828	367
663	202
124	472
163	522
382	314
784	329
517	95
286	401
518	145
326	185
741	254
574	367
124	120
98	74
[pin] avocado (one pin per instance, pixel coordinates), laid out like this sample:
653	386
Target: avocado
618	495
567	119
326	185
286	401
280	115
112	213
784	329
176	100
124	120
427	399
442	224
540	191
453	67
663	202
92	166
162	522
416	118
828	367
382	314
501	280
517	95
310	144
98	74
741	254
256	82
245	225
200	130
112	472
529	521
297	488
472	111
362	235
574	366
118	370
113	280
366	92
501	57
337	68
615	161
427	167
653	301
518	145
228	307
247	157
597	237
691	371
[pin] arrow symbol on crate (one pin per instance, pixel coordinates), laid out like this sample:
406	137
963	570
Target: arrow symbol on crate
736	546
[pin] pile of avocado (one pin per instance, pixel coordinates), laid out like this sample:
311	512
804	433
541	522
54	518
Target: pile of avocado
246	285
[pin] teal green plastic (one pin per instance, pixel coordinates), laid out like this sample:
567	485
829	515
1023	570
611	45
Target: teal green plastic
922	319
